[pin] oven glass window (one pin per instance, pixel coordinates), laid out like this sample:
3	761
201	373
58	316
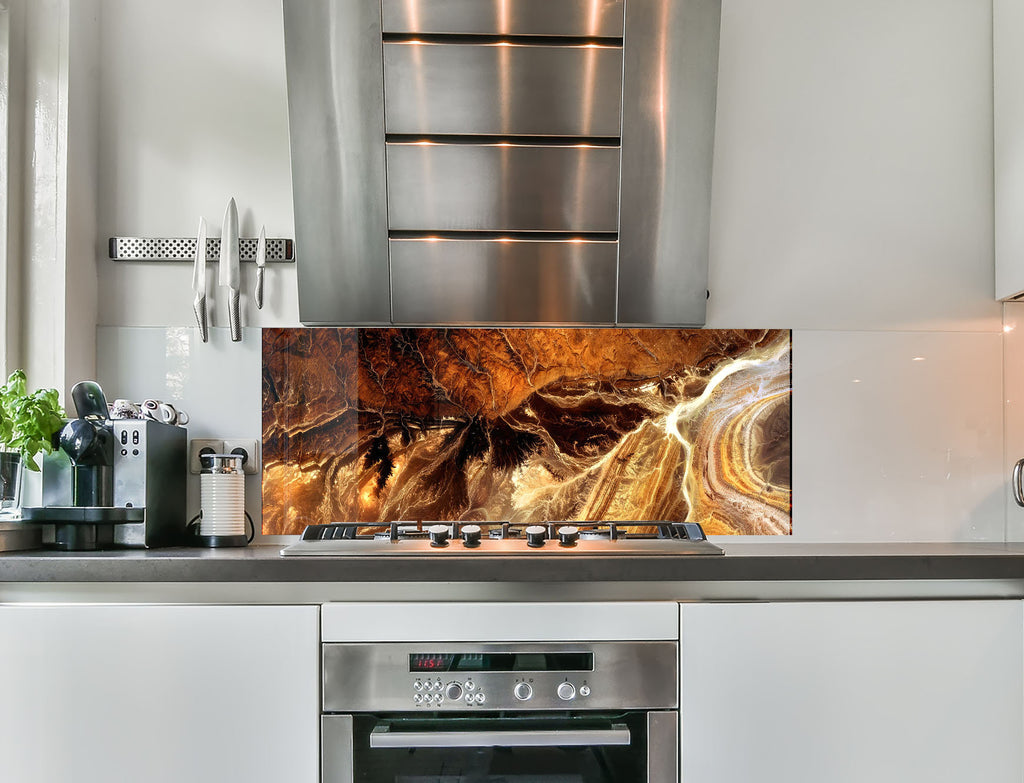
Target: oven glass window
616	754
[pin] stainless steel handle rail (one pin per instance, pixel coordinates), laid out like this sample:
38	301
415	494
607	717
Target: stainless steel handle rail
1018	488
383	737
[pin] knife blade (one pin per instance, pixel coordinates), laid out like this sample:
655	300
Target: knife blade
261	262
229	275
199	282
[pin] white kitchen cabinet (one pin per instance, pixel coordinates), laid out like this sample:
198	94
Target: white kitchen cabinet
852	692
159	694
1008	135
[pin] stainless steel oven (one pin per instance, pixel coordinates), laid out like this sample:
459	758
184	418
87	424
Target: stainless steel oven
517	712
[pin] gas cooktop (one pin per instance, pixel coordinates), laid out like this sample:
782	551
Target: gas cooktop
502	538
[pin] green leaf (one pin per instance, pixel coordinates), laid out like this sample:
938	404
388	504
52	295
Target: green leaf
28	422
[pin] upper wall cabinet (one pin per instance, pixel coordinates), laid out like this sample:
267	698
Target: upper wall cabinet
1008	107
486	161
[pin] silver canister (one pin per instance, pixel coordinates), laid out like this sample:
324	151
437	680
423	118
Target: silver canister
222	498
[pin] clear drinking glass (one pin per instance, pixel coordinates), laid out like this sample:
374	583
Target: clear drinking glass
10	484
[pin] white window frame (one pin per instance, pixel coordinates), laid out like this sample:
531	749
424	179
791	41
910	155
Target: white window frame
7	323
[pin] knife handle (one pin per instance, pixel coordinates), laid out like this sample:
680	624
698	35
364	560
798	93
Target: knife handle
199	306
234	317
258	294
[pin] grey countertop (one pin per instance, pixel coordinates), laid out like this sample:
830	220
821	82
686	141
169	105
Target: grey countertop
749	570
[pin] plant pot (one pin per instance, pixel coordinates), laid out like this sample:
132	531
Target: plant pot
11	469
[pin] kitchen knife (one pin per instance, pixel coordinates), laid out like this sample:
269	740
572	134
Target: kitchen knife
199	281
261	262
229	275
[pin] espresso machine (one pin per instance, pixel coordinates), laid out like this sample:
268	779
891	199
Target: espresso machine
112	482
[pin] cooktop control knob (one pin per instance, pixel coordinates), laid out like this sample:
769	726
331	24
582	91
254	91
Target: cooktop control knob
568	535
471	535
566	691
453	691
438	535
535	535
522	691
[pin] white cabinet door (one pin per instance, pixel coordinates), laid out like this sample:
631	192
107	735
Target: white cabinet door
159	694
878	692
1008	119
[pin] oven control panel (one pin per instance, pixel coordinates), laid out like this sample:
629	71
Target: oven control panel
439	692
520	676
528	692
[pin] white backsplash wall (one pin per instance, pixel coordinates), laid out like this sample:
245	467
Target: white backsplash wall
852	202
216	383
1013	389
895	436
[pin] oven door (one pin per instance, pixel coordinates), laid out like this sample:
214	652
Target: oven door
630	747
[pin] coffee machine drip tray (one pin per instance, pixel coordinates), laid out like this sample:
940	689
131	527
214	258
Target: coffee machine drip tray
83	527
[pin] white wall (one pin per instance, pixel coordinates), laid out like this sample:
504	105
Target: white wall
852	202
194	112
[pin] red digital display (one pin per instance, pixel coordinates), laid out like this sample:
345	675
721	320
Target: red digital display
430	662
502	662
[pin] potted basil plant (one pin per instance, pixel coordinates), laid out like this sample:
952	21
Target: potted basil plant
28	423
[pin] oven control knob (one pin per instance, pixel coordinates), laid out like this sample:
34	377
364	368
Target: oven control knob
584	690
568	535
522	691
438	535
566	691
453	691
471	535
535	535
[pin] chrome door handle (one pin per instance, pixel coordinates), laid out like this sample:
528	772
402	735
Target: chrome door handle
1018	489
383	737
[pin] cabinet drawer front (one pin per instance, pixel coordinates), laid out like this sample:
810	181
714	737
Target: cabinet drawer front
502	89
495	281
499	17
499	187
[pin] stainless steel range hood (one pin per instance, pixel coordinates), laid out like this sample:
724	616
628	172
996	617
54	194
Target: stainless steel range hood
502	161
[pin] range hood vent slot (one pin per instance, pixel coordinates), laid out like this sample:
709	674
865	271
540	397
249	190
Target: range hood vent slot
498	39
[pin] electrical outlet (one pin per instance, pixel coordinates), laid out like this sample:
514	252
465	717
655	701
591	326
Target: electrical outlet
250	449
198	446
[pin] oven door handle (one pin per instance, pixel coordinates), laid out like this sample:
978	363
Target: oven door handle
382	737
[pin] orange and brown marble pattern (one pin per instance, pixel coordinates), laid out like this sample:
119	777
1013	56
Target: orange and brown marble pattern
527	425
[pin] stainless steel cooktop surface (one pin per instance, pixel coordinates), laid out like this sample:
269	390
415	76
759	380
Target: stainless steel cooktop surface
499	539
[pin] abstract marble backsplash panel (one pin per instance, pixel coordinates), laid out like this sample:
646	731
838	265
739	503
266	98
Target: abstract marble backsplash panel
527	425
